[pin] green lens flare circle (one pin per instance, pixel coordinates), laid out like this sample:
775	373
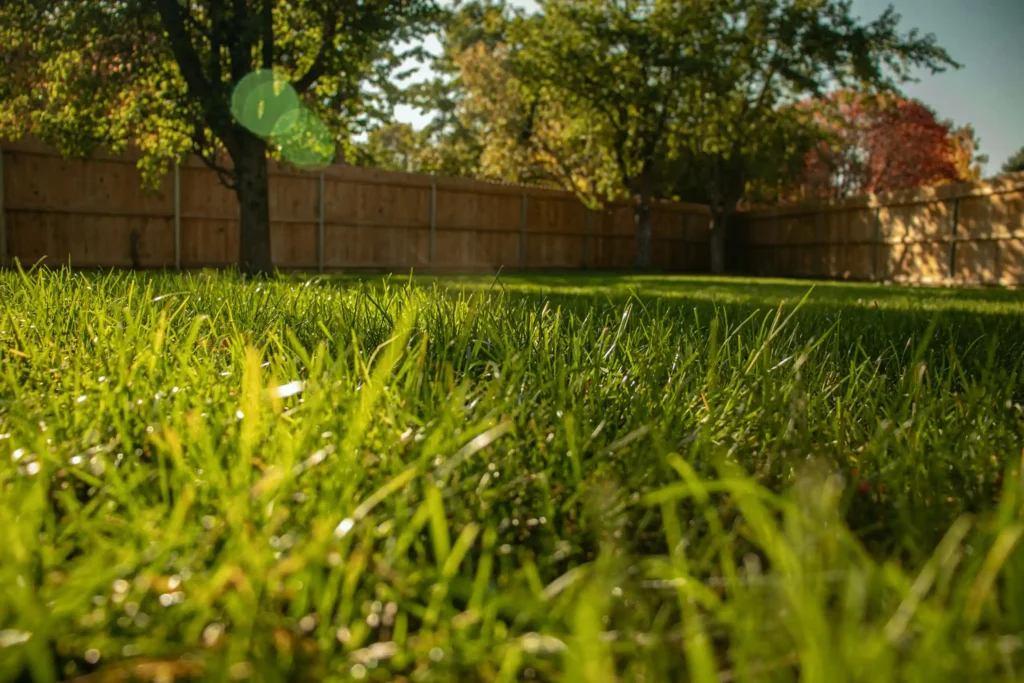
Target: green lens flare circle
307	142
265	103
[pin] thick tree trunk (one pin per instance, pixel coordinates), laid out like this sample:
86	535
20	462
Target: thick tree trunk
719	222
253	190
642	217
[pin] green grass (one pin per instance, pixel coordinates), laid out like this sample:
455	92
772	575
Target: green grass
578	478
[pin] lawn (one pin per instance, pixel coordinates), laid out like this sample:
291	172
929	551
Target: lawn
549	477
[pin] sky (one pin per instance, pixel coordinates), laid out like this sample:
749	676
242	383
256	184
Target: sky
985	36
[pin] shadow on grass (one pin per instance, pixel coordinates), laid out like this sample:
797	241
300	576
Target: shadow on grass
872	318
756	292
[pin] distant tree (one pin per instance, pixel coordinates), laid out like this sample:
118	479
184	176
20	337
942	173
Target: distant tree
656	87
453	135
529	137
173	76
1015	164
967	158
393	146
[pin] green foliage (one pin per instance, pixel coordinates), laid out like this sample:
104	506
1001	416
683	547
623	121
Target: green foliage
713	81
393	147
615	71
82	74
160	74
454	136
1015	164
548	478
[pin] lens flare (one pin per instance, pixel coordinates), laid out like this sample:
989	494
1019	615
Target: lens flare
268	106
307	143
265	103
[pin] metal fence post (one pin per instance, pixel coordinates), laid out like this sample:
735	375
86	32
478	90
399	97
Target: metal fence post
953	237
432	254
684	241
777	245
522	232
586	239
177	215
819	266
3	221
320	217
877	243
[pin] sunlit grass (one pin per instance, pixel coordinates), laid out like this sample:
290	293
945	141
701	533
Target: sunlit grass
583	478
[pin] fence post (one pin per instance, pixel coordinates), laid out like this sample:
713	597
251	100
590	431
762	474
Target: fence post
3	222
777	246
953	237
684	250
432	254
522	232
177	215
877	243
320	217
586	239
819	262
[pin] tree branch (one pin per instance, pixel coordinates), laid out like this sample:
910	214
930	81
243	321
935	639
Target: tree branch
216	32
267	33
319	65
240	47
207	153
206	93
173	19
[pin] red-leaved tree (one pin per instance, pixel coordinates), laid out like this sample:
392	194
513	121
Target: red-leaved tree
883	143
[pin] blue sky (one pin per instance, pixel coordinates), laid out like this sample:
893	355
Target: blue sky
986	36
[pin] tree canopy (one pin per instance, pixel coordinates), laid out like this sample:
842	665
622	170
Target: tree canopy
1015	164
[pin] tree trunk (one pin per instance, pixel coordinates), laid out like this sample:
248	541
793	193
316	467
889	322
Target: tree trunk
719	222
253	190
642	218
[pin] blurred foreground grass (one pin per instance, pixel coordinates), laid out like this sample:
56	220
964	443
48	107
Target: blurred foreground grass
580	478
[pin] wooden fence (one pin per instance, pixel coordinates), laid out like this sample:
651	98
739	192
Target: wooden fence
96	213
970	234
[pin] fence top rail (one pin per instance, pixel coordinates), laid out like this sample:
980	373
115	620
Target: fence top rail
1008	184
361	175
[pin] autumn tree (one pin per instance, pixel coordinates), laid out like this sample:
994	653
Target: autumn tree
1015	164
232	80
885	143
967	156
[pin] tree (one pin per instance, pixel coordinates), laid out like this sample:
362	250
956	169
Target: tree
885	143
1015	164
453	136
485	124
232	80
613	73
968	160
708	86
393	146
528	138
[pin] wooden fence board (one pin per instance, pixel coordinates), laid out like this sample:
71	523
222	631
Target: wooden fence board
1012	262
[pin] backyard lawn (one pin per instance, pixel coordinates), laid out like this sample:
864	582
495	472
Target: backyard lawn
546	477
